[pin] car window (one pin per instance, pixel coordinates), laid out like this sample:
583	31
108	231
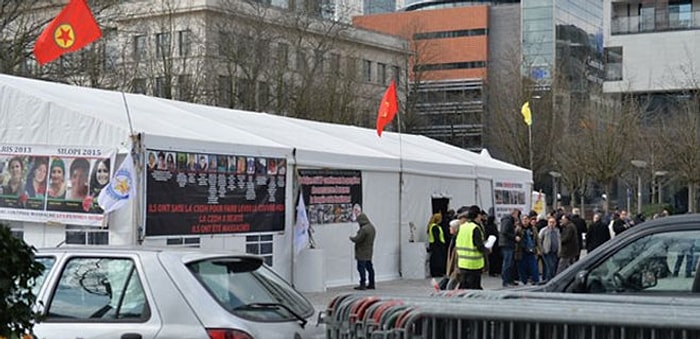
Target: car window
654	264
38	281
98	289
235	288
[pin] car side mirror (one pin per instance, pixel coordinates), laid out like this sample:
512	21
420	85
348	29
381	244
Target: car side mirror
581	282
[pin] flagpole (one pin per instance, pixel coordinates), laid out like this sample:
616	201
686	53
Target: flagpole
529	137
135	151
398	121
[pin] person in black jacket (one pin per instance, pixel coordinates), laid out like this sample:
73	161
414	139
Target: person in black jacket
597	234
495	259
506	243
581	228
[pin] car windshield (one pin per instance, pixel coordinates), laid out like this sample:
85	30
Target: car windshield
237	283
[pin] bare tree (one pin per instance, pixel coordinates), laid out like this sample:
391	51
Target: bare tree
680	133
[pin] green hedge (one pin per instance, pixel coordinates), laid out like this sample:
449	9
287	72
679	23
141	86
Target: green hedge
18	271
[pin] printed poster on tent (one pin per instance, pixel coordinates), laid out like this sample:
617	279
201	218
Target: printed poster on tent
53	183
331	195
510	195
203	193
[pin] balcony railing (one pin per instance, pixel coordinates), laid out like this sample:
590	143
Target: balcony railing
656	20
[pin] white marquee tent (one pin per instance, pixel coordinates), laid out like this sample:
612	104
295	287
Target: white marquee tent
400	173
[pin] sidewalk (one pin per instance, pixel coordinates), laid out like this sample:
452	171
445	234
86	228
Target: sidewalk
406	287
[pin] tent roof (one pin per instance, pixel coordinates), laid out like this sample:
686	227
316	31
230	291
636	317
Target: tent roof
60	114
48	113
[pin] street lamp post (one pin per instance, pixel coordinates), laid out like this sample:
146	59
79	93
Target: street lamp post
659	188
639	164
555	194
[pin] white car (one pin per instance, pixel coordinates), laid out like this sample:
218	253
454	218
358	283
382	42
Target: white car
138	292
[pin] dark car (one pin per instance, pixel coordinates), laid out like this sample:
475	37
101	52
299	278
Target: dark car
658	257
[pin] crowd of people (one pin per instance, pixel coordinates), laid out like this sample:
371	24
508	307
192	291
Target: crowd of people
529	248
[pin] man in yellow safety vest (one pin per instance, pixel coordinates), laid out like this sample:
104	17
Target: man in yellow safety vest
470	250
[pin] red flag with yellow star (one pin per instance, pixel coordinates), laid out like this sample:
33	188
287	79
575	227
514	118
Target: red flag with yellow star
71	30
388	108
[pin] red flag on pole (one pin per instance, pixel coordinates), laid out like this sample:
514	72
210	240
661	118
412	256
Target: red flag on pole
71	30
388	108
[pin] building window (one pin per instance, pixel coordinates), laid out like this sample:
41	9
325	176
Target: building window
302	65
138	86
226	43
162	45
367	70
139	47
184	87
263	95
283	55
318	61
613	63
351	68
245	93
183	42
183	242
334	62
449	66
381	73
450	34
80	235
680	15
17	233
162	88
225	87
647	15
260	245
396	73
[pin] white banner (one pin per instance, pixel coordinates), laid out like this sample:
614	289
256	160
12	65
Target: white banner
53	183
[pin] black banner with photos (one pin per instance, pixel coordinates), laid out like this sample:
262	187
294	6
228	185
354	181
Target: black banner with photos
331	196
203	193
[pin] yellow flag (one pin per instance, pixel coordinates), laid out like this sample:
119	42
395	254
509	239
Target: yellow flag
527	115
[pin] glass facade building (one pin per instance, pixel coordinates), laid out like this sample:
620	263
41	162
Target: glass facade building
566	37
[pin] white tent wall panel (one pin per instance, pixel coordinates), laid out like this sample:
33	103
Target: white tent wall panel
484	194
340	258
380	203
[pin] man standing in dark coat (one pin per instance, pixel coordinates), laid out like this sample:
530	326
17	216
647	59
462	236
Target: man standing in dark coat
597	234
506	242
364	247
581	228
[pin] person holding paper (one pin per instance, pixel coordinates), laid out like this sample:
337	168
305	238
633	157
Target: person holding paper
494	257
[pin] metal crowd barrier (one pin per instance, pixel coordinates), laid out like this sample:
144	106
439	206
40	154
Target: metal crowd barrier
512	315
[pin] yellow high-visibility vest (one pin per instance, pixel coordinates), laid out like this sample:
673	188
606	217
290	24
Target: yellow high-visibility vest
431	238
468	256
